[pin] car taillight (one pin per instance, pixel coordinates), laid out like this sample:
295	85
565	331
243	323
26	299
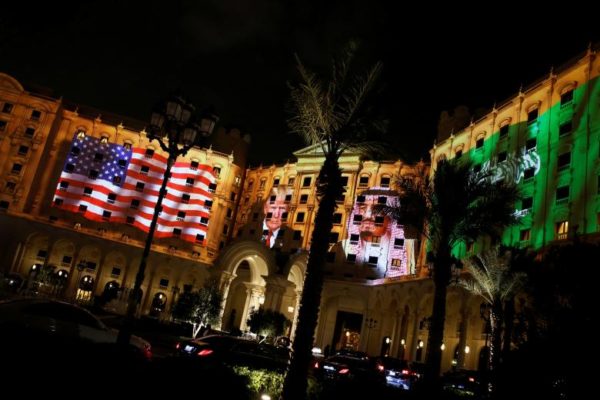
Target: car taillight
178	345
205	352
471	379
343	371
405	372
316	365
380	367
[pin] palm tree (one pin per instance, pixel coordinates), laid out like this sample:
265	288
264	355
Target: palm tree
337	116
454	206
490	276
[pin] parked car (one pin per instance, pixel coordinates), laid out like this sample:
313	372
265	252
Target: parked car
462	382
234	351
346	367
55	322
398	373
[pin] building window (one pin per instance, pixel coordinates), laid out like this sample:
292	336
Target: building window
291	180
530	144
565	128
337	218
185	198
7	108
564	160
566	97
16	169
379	220
93	174
351	258
104	140
199	238
375	240
284	217
532	116
164	283
562	230
357	219
194	165
363	181
180	215
29	132
297	235
525	235
504	131
106	214
354	237
208	204
479	143
204	220
458	154
82	208
344	181
135	203
396	262
3	205
300	217
229	212
360	199
502	156
58	202
372	260
130	220
276	182
2	126
117	180
149	153
529	173
212	187
35	115
527	203
382	200
398	243
139	186
115	271
189	181
87	191
261	186
111	198
127	146
303	198
10	186
385	181
307	181
562	194
145	169
225	229
334	237
232	196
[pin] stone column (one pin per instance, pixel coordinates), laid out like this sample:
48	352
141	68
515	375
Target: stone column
224	286
253	294
411	344
275	290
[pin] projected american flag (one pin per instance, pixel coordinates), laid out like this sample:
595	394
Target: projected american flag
109	182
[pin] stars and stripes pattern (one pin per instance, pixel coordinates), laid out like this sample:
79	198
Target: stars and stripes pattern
107	182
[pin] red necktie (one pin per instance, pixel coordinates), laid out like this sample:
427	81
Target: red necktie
269	235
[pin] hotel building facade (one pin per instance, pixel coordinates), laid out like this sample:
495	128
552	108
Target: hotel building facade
377	295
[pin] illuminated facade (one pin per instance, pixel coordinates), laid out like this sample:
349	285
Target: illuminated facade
377	295
36	141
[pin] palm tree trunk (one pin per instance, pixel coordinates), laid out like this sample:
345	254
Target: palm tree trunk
441	279
495	344
295	383
509	321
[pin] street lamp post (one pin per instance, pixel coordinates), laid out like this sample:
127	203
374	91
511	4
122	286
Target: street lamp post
176	128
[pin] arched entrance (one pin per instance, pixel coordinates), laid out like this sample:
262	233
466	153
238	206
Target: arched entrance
159	302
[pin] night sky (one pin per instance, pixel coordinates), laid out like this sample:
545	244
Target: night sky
238	56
